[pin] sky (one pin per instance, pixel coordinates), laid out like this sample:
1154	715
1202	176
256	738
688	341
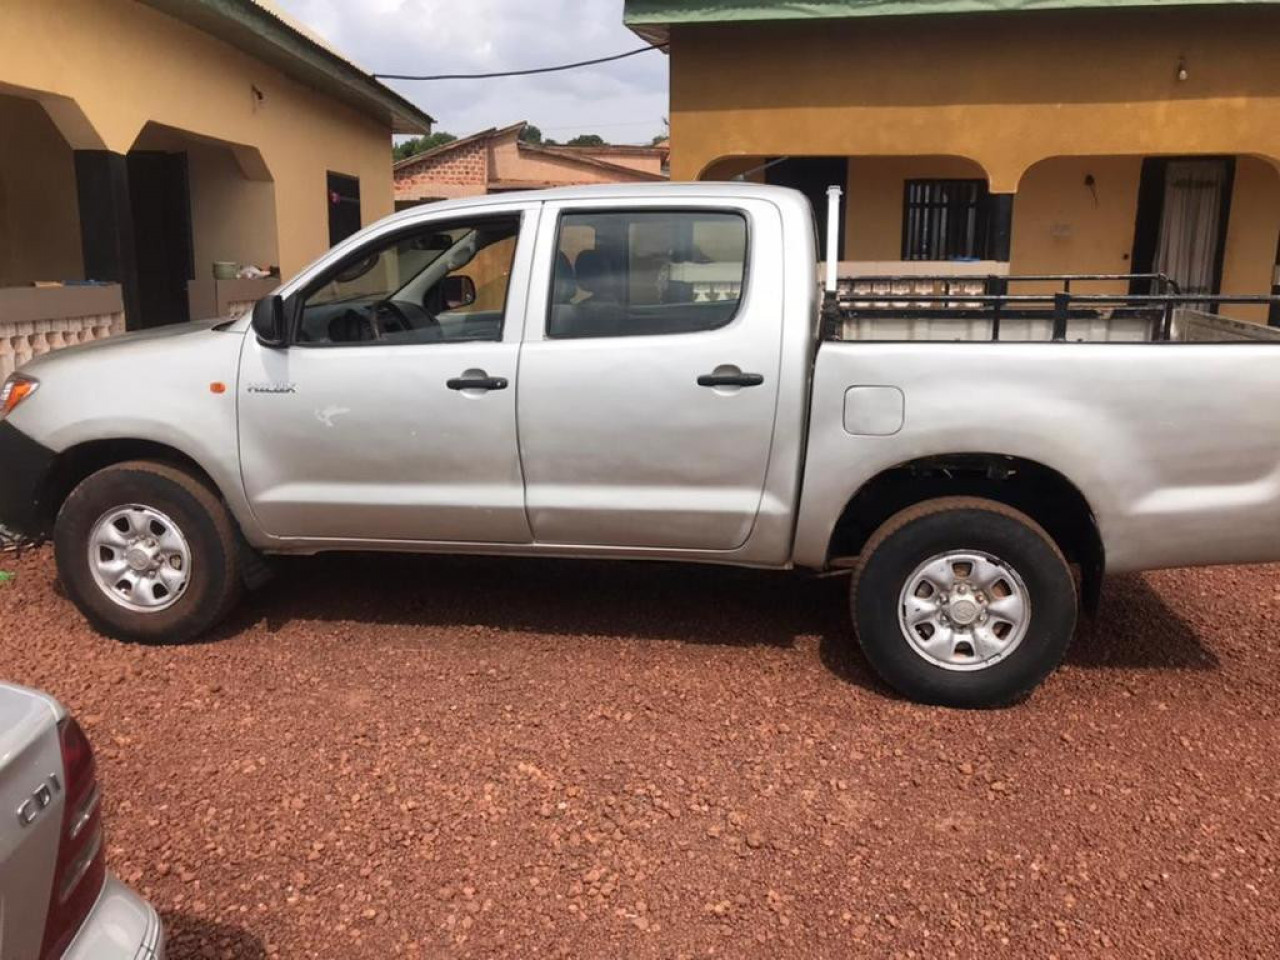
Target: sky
624	102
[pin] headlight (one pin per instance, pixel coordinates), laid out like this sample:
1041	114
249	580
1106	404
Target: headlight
16	389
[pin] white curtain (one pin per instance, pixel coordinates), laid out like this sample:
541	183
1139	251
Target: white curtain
1188	246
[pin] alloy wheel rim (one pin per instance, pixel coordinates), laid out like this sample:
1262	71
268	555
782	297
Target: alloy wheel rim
139	558
964	610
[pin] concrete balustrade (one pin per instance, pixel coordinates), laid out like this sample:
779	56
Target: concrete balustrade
37	320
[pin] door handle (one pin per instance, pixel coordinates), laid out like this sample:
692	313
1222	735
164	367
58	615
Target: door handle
477	383
730	380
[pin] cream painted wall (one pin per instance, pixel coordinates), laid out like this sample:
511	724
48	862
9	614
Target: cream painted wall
731	167
233	217
1059	226
1252	231
1007	91
873	218
39	217
163	70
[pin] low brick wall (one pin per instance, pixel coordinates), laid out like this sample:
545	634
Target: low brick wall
34	321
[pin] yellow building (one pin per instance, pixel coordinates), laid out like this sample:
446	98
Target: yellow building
143	142
1017	137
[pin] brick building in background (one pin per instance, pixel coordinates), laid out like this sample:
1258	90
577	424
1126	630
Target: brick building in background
497	160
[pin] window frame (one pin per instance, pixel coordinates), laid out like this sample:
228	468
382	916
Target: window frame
628	211
981	211
384	240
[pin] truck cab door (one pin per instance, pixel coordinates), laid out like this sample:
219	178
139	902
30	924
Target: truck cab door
649	383
391	414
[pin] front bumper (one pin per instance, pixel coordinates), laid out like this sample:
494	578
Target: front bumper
121	926
24	466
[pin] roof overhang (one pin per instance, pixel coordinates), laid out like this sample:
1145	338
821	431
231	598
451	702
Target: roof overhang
653	19
261	31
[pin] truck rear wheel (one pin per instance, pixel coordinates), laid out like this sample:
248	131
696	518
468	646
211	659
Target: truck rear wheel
963	602
147	552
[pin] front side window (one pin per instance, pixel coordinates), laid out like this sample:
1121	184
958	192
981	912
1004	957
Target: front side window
643	273
442	283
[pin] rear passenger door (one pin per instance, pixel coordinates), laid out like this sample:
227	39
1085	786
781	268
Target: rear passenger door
648	383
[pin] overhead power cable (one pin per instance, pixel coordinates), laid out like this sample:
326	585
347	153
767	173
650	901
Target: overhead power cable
521	73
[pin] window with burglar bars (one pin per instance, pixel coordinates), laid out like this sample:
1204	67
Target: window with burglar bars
944	220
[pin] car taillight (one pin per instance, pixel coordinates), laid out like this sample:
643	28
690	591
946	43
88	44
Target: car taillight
82	866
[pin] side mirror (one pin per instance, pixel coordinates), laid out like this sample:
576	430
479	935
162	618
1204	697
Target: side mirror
269	321
457	291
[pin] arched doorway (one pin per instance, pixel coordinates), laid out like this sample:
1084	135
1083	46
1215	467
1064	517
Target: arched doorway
198	202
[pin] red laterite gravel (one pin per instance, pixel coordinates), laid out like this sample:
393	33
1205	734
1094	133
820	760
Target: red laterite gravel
384	757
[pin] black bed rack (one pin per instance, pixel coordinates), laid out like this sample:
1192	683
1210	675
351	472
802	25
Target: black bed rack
996	303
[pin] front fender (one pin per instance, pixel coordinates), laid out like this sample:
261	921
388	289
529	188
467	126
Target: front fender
176	392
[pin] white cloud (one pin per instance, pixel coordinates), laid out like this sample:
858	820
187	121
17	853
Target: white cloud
623	101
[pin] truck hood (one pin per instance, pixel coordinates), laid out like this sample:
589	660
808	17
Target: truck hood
124	341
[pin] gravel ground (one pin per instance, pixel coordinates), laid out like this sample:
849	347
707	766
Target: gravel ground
482	758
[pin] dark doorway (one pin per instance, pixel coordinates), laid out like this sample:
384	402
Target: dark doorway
1273	313
1184	206
811	176
161	205
344	207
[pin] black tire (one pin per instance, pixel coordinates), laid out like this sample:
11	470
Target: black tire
214	584
935	527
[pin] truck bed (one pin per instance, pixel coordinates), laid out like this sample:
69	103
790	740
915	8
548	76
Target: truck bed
944	308
1173	449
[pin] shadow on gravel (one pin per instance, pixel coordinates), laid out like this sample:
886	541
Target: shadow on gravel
194	938
685	603
1135	629
662	601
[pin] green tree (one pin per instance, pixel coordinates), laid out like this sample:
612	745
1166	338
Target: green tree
531	134
586	140
416	145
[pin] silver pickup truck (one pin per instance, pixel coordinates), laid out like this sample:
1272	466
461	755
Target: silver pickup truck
643	372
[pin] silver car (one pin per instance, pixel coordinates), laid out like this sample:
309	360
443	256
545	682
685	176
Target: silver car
57	899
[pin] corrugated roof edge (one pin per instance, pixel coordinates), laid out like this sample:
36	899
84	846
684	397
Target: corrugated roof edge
652	18
254	26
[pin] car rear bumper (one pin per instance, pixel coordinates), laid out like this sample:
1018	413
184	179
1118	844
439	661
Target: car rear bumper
121	926
26	465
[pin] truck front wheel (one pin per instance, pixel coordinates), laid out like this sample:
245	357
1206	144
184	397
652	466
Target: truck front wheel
963	602
148	552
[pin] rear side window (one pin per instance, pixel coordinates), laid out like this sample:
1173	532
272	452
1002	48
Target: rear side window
643	273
